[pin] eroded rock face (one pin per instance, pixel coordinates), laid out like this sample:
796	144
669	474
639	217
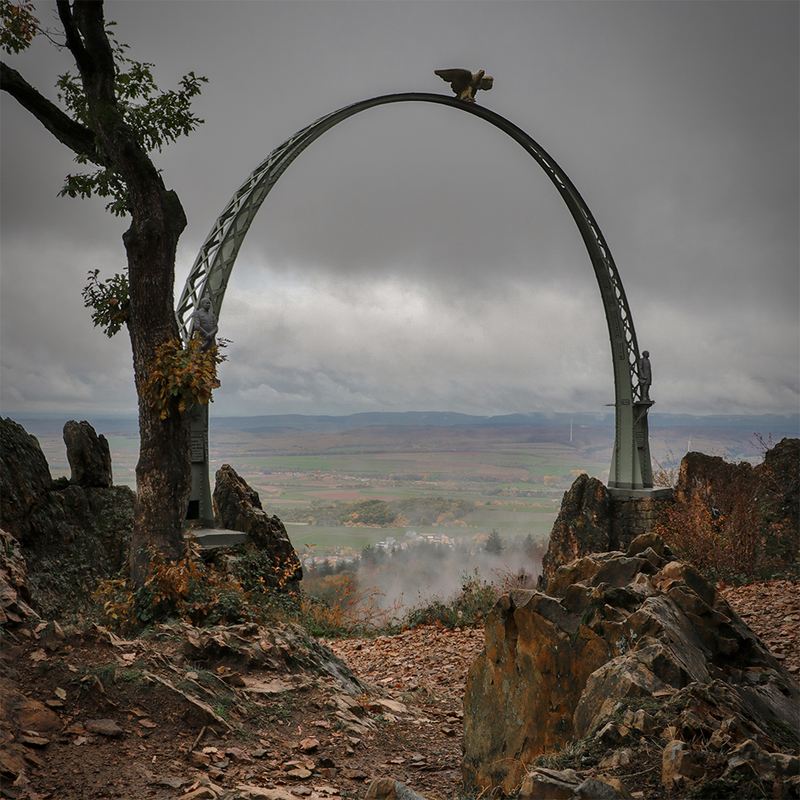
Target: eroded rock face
237	507
710	476
583	526
88	454
15	596
614	626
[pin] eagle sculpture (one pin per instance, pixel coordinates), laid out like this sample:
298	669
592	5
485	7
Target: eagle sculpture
464	83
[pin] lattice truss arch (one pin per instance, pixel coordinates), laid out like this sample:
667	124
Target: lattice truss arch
211	271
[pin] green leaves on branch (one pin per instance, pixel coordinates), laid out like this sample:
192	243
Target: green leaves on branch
156	118
110	301
186	375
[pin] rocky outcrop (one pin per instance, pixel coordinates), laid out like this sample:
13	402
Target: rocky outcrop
88	541
753	511
773	485
779	478
710	476
71	536
88	454
237	507
621	646
583	526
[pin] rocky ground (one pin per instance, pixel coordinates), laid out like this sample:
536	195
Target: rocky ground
242	712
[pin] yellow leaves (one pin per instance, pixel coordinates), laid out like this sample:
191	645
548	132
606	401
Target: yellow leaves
187	375
118	605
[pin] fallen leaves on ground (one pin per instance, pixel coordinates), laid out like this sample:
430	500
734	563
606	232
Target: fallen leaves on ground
772	611
301	739
431	661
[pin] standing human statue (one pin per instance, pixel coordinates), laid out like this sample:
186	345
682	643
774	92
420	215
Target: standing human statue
205	324
645	376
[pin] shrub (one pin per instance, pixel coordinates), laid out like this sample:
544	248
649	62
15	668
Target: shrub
342	609
199	593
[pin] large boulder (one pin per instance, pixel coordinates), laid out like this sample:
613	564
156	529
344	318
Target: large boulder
583	526
614	627
237	507
88	454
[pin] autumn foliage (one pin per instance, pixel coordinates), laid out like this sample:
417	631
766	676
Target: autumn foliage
185	375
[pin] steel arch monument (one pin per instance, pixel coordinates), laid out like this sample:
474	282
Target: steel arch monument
630	461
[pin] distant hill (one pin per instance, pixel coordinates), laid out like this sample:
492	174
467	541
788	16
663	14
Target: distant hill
775	424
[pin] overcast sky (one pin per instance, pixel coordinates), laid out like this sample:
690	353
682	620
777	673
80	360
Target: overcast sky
415	257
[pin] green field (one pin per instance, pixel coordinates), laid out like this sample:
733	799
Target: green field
516	477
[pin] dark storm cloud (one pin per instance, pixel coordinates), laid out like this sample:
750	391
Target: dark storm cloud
416	258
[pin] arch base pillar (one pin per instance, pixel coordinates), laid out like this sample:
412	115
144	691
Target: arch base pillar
631	467
201	510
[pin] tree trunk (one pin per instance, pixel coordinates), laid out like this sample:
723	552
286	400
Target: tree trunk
163	473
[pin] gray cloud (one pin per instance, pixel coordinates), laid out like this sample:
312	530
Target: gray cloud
416	258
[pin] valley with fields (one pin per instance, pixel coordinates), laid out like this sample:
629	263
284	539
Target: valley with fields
461	476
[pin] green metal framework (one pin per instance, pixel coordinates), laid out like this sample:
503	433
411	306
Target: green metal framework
630	461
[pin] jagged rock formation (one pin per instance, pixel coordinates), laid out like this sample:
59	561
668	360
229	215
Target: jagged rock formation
237	507
71	536
775	482
764	499
88	454
621	644
583	525
779	475
709	476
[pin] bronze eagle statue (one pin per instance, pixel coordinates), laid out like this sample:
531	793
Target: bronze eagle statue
464	83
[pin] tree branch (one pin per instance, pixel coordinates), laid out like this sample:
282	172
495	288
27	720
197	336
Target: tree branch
85	29
73	36
78	138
